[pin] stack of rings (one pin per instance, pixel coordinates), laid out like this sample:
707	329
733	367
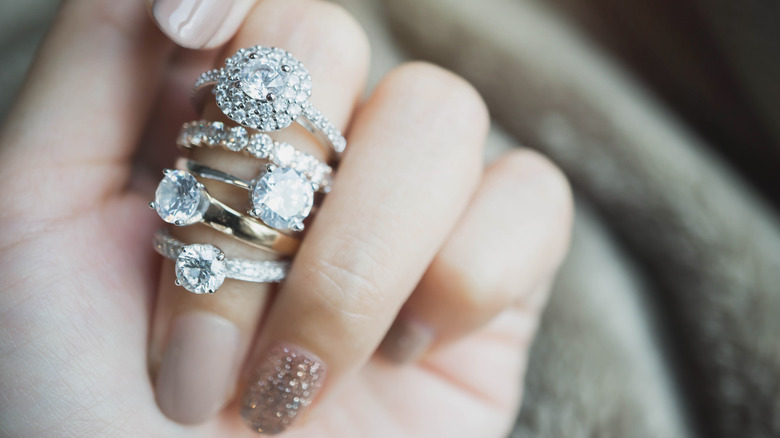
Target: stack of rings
262	90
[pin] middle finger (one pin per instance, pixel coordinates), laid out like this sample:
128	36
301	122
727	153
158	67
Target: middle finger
414	161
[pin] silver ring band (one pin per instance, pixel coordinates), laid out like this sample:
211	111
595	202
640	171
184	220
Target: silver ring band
236	139
266	88
207	172
201	268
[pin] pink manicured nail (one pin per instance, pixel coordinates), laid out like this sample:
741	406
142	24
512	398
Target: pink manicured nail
406	341
191	23
285	384
198	368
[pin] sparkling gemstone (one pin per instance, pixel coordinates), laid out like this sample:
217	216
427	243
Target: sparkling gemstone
284	154
201	268
282	198
215	132
183	139
303	163
320	174
262	77
197	134
179	198
236	139
260	145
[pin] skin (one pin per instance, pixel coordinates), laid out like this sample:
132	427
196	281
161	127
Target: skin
83	317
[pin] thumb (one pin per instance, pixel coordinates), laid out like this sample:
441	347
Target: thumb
199	24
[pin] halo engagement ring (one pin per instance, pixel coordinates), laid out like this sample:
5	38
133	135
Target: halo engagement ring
180	199
266	88
202	268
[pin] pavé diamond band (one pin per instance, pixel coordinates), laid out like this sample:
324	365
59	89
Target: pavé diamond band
182	200
280	196
236	139
266	88
202	268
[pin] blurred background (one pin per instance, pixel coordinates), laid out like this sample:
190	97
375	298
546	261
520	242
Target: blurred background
665	114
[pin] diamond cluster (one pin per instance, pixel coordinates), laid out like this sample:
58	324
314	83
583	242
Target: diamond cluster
259	145
263	88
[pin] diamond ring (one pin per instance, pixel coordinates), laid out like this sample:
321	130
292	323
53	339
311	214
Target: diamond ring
280	196
236	139
202	268
182	200
266	88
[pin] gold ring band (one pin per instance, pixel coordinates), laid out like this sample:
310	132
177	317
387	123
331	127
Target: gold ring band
248	230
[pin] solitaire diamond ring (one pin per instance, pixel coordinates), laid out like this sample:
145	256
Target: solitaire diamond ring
236	139
280	196
202	268
182	200
266	88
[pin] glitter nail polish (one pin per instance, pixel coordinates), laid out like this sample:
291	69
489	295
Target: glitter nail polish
284	385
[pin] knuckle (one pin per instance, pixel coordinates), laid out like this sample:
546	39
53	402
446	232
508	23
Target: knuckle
552	190
519	167
441	96
468	293
350	280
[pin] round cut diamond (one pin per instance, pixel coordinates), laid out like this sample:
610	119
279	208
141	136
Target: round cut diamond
262	77
179	198
237	139
200	268
284	154
214	133
283	198
260	145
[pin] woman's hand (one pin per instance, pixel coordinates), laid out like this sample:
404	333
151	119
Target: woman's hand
416	244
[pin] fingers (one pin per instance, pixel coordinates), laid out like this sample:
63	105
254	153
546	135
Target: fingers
414	160
90	88
332	46
197	24
509	243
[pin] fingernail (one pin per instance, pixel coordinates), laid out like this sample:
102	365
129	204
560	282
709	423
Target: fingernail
406	341
191	23
284	385
198	368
